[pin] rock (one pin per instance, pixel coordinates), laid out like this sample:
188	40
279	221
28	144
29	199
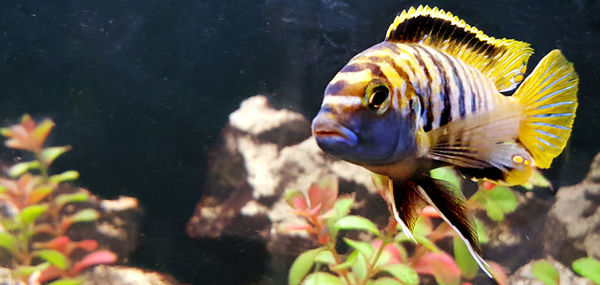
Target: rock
571	230
264	152
105	274
6	277
523	275
117	227
119	275
519	236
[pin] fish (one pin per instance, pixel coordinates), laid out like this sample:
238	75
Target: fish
433	94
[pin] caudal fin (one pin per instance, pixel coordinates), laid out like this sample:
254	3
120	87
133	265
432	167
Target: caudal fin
549	96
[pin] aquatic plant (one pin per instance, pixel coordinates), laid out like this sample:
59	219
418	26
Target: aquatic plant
388	256
587	267
35	221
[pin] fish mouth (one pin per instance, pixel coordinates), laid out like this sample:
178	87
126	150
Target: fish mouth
329	132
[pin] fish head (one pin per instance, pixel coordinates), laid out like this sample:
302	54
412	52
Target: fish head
358	120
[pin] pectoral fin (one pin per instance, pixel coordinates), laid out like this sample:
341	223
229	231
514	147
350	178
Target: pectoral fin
477	141
407	204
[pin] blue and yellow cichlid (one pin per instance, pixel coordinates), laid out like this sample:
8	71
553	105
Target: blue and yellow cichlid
429	96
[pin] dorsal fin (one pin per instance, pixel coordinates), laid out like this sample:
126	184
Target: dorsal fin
503	61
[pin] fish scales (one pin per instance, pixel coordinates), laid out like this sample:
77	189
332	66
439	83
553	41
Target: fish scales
447	87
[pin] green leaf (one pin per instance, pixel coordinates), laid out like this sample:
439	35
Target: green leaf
3	189
85	215
49	154
448	175
588	267
31	213
494	211
302	265
54	257
481	234
64	199
325	257
468	266
364	248
348	263
341	208
25	271
504	197
385	281
22	167
360	267
427	243
537	179
544	271
8	241
403	272
357	223
383	259
497	202
68	175
322	278
67	282
423	226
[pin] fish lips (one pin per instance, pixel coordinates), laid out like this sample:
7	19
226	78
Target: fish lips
330	134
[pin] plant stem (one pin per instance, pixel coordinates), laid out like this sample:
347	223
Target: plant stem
342	272
43	166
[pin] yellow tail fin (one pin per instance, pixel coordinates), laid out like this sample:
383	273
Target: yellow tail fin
549	96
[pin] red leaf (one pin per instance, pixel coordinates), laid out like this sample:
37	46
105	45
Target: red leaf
329	192
300	203
315	211
28	123
488	185
441	266
323	237
498	273
395	254
95	258
52	272
66	223
314	195
429	211
87	244
59	243
298	227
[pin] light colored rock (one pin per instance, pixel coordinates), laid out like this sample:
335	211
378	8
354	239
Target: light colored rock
6	277
523	275
119	275
264	153
572	229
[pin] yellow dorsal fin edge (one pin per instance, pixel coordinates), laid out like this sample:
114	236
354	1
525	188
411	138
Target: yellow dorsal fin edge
504	61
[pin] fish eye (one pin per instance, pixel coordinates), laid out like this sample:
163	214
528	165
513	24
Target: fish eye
378	97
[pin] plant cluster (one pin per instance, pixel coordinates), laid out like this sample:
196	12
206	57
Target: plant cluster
587	267
390	257
35	221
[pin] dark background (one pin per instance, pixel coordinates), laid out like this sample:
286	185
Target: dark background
141	89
